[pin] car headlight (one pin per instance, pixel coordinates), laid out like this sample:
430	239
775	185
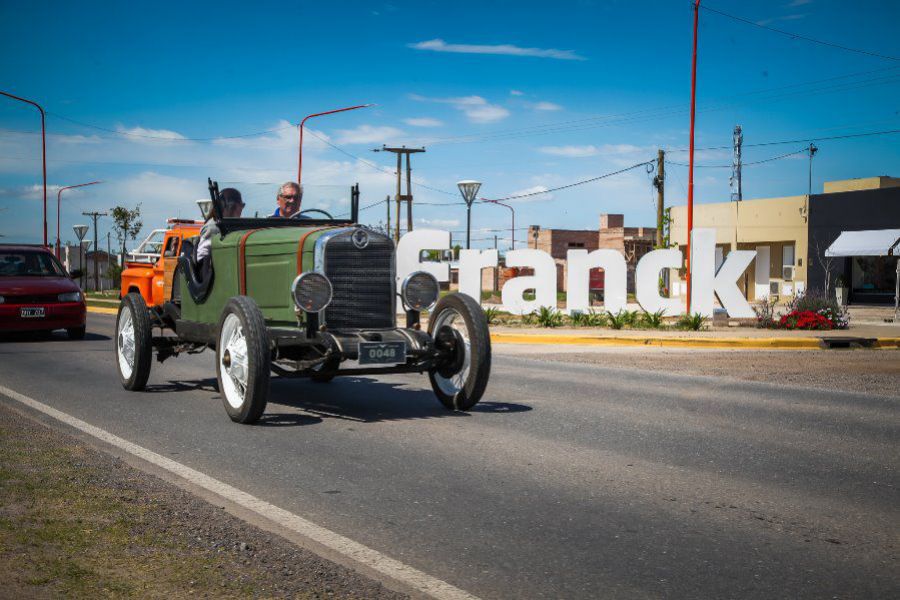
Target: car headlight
311	291
420	291
70	297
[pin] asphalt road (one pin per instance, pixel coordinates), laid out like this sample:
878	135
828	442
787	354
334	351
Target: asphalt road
568	481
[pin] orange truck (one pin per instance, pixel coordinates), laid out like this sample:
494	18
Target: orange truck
150	267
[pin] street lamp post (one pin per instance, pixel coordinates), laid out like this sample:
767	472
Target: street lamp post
43	151
469	189
58	204
327	112
512	229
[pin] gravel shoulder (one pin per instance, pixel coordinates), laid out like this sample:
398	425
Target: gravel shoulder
78	523
863	371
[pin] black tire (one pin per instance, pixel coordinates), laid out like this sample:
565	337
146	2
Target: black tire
76	333
246	407
474	384
136	380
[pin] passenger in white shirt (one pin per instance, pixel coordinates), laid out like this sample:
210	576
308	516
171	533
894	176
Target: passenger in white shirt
232	206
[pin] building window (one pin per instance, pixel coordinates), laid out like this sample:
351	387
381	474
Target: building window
787	255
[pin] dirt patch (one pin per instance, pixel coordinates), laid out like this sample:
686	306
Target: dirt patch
75	522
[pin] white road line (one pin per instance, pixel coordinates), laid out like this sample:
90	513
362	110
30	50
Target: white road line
363	554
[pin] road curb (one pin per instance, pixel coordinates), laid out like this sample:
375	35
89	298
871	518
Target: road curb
103	311
805	343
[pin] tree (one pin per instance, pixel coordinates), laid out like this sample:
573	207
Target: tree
126	223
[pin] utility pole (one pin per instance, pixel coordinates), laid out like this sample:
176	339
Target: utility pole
660	183
812	152
95	215
690	191
408	197
737	193
387	204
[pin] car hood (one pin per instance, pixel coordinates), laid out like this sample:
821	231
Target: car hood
36	285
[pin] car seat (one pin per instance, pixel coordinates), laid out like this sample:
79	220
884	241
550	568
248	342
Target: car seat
197	274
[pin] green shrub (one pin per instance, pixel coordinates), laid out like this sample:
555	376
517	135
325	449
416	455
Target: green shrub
652	320
491	313
588	319
819	303
617	320
692	322
548	317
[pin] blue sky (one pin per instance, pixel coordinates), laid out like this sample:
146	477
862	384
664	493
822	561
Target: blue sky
523	96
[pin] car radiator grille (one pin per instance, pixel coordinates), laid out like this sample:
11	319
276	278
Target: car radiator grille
362	280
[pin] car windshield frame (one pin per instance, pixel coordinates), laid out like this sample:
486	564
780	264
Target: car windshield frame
228	225
56	269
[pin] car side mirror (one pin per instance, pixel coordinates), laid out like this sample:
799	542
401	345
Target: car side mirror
76	273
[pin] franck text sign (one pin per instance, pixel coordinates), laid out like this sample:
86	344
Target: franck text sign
706	281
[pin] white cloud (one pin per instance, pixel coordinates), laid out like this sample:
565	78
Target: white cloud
423	122
516	93
439	45
476	108
546	106
367	134
536	190
439	222
570	151
150	136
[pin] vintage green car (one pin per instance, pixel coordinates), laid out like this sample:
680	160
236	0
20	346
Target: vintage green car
304	297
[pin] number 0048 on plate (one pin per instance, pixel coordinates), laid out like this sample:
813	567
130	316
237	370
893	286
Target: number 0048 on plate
382	353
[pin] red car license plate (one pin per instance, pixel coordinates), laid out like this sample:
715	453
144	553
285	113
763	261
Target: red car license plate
32	312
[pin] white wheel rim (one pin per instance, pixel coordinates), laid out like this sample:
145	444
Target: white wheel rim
125	343
455	383
233	363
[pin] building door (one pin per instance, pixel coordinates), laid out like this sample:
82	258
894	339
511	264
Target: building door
761	287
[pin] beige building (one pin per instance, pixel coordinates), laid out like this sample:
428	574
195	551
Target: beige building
776	228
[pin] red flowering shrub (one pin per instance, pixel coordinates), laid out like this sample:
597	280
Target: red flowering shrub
805	319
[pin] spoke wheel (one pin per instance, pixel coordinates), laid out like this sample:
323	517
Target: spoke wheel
134	348
243	360
459	327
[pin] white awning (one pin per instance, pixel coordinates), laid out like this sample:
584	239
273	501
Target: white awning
872	242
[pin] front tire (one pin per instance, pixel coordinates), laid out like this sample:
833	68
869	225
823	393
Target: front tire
134	345
458	323
243	360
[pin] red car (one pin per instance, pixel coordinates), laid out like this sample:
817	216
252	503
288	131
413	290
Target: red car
37	294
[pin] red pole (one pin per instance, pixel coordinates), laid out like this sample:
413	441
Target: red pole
690	198
43	152
58	194
327	112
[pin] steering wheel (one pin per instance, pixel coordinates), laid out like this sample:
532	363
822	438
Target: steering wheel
302	213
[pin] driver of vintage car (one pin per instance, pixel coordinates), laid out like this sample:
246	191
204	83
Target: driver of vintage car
290	195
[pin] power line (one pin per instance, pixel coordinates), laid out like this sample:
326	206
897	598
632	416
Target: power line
171	139
745	164
797	141
647	163
797	36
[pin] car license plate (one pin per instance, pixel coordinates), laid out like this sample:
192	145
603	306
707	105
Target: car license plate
32	312
382	353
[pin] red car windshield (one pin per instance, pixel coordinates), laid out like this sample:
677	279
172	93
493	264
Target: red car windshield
29	263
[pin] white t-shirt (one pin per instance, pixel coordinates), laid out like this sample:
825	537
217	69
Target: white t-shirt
204	246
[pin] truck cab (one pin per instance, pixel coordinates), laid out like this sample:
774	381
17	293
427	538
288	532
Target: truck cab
149	269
